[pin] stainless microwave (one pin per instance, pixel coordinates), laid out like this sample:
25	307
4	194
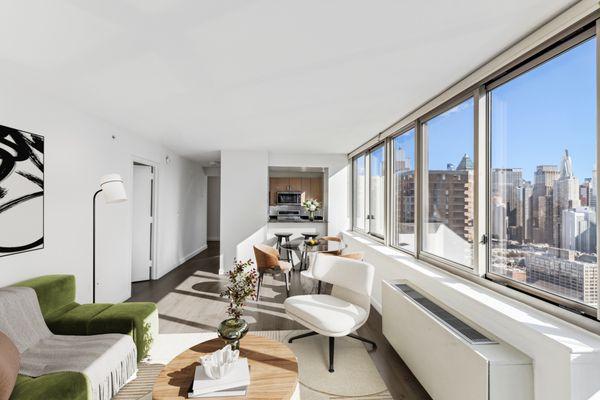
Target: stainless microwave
289	198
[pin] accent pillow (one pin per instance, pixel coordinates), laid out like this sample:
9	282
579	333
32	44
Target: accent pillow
10	363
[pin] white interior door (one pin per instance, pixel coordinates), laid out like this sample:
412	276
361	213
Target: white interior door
142	223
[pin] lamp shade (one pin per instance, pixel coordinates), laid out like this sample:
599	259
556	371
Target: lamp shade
113	188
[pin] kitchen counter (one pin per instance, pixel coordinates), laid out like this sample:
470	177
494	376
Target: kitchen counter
296	228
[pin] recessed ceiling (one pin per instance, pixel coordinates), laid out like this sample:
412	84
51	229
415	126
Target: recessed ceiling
200	76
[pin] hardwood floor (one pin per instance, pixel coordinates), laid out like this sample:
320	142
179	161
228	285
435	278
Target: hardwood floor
188	301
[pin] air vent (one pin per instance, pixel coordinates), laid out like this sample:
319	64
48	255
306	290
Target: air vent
468	333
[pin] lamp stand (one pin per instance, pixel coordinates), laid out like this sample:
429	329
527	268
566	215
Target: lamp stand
94	246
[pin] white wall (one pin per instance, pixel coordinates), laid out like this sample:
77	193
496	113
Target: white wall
213	208
245	196
566	358
244	204
78	150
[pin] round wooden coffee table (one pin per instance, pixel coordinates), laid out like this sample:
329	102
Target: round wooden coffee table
273	370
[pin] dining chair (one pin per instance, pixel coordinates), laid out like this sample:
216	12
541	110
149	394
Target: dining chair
332	239
359	255
268	262
343	311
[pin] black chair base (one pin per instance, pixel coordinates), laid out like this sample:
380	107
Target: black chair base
260	279
332	344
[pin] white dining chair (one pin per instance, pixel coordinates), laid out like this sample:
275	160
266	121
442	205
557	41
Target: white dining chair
342	312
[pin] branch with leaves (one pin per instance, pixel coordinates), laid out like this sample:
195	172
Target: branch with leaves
242	286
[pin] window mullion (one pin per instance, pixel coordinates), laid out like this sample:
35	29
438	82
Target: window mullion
480	181
597	171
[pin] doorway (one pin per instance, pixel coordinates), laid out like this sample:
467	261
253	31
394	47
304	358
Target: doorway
142	200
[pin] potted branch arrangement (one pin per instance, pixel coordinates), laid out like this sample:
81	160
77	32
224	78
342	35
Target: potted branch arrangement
241	287
311	206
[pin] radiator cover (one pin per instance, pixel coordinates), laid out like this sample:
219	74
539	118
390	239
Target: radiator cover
443	360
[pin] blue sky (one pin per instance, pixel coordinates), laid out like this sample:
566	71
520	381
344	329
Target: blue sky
550	108
534	118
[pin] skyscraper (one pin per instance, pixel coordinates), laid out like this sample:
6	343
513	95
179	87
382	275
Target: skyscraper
524	214
578	229
545	175
565	196
505	182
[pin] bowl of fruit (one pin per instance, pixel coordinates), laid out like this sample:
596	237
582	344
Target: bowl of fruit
311	242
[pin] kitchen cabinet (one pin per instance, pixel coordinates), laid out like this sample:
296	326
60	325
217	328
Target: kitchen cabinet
311	188
305	188
277	185
316	189
295	184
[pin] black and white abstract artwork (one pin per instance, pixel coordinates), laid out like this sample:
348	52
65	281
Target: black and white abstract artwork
21	191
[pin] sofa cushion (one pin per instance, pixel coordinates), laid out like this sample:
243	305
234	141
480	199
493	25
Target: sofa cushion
10	362
325	314
76	320
53	291
55	386
140	320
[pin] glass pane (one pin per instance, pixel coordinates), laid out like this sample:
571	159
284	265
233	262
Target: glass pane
543	186
377	191
448	199
403	191
359	192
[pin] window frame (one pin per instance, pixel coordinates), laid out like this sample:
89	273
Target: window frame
383	146
423	254
367	200
547	49
365	197
541	58
391	213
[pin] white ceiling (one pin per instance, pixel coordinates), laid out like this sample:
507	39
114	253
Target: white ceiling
198	76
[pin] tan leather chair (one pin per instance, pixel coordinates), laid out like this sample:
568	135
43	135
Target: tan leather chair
332	239
267	261
359	255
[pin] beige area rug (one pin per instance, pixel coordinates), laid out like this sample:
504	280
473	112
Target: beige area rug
355	375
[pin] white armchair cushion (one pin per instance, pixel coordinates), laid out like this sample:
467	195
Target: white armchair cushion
325	314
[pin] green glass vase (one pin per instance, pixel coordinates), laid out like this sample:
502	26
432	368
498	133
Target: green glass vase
232	330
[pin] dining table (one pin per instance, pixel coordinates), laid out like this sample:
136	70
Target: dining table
308	253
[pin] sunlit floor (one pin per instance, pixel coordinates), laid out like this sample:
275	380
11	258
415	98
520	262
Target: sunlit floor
188	301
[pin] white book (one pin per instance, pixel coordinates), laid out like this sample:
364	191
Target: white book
237	377
241	391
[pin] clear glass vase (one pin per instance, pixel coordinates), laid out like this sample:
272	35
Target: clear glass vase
232	330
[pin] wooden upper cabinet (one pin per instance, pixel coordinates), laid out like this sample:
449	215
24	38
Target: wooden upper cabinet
316	189
311	188
295	184
277	185
305	189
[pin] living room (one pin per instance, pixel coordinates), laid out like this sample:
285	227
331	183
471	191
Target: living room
284	200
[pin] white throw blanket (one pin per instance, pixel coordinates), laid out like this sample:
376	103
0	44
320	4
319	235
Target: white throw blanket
108	361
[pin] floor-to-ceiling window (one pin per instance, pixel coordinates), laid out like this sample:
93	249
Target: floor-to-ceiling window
377	192
403	191
448	183
359	192
543	190
500	181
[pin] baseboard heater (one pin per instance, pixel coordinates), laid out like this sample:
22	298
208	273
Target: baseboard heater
451	357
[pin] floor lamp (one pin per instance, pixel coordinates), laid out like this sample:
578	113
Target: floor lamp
113	190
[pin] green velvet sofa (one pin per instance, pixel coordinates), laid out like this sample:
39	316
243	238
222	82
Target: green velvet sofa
56	295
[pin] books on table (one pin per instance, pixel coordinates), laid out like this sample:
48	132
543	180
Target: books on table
234	383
